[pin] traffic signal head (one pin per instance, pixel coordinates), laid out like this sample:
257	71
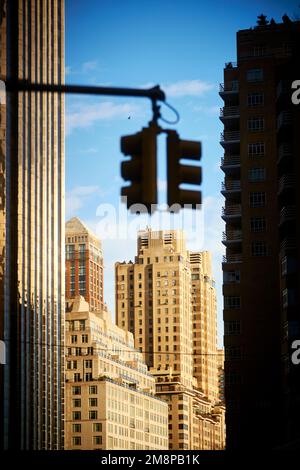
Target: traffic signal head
182	174
140	169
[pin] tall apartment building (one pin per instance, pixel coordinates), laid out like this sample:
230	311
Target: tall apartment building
84	264
32	227
155	297
110	401
204	328
261	282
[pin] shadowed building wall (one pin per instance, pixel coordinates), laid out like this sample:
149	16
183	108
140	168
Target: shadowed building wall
261	211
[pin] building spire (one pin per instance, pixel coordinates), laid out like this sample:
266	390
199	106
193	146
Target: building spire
262	20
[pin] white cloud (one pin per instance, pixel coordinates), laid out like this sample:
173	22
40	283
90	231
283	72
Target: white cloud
89	66
84	116
161	185
89	151
212	110
183	88
77	197
187	88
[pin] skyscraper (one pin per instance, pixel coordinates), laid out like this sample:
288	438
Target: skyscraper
261	282
154	299
32	227
84	264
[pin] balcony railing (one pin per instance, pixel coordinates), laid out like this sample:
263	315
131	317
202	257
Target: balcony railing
284	151
234	258
230	136
287	181
230	160
288	243
284	119
230	87
287	213
234	185
232	236
283	87
232	210
229	112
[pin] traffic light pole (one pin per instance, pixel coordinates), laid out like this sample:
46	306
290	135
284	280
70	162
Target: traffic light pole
155	93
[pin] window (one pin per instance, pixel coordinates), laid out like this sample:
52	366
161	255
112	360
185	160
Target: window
74	339
230	277
259	50
232	352
257	199
97	427
84	338
259	248
88	377
232	327
257	174
76	390
82	250
93	414
76	415
232	302
76	428
97	440
233	377
93	389
256	124
77	403
256	149
93	402
76	441
255	75
70	251
89	363
255	99
183	426
258	224
77	377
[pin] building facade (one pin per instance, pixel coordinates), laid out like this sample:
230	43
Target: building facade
32	227
261	282
84	264
204	311
221	374
110	401
155	296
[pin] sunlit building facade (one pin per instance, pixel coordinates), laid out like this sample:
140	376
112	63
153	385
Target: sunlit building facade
84	264
32	227
155	296
110	394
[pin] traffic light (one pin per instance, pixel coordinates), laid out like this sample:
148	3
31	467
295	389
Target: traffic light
140	170
182	174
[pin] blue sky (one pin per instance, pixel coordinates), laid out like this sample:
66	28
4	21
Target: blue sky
180	45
